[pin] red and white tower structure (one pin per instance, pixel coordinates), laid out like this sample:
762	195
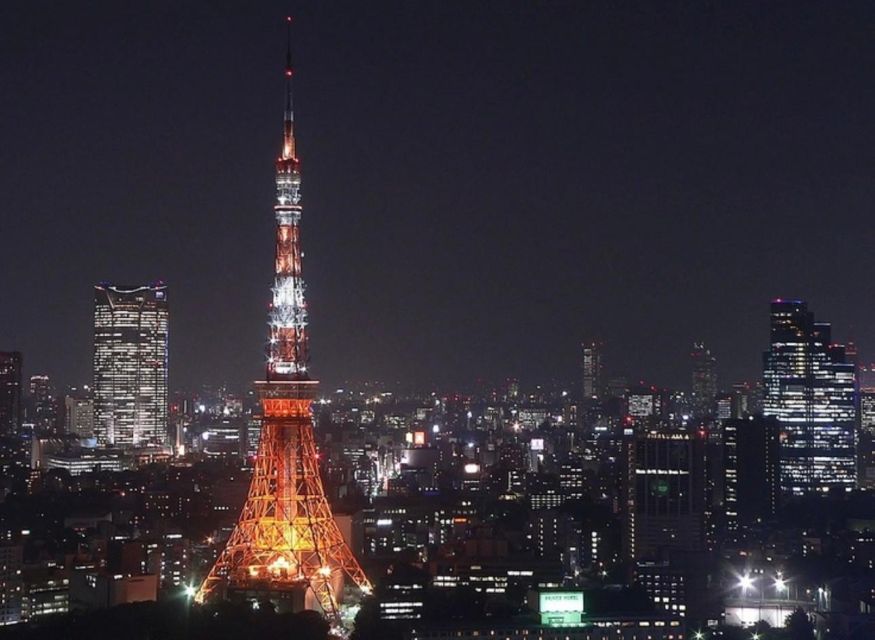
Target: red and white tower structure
286	546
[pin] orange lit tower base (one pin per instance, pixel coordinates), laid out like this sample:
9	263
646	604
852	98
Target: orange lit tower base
286	546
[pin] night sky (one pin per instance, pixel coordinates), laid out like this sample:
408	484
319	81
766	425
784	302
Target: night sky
485	184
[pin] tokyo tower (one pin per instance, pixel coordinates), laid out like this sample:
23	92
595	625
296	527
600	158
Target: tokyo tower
286	546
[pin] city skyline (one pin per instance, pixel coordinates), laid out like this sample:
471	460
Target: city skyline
577	449
423	226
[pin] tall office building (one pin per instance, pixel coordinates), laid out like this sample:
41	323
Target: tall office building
664	494
130	365
751	461
810	389
704	381
10	392
42	405
593	372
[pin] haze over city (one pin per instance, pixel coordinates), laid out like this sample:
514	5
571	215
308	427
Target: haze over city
488	185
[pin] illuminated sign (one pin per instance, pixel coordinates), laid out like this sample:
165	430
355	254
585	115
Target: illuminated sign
537	444
561	608
419	437
472	467
659	488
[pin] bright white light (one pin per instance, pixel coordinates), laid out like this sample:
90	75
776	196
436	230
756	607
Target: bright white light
436	428
780	583
746	582
190	591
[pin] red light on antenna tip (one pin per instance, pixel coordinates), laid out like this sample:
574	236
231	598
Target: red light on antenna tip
288	18
288	73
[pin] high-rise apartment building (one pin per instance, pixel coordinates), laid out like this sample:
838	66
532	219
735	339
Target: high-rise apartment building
593	372
810	389
10	392
79	414
130	365
704	381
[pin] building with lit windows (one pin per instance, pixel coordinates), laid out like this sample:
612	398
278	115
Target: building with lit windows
10	392
704	381
810	389
11	585
593	373
79	415
82	461
664	494
866	439
130	365
751	462
42	410
46	592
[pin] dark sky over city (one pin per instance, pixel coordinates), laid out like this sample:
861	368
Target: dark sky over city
485	184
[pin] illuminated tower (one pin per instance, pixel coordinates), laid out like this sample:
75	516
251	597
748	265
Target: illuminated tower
286	546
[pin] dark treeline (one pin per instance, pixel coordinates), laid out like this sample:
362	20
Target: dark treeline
175	620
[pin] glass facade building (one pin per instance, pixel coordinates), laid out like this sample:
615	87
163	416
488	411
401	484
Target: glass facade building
130	365
810	389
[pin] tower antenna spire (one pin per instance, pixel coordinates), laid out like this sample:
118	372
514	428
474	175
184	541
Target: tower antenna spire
289	120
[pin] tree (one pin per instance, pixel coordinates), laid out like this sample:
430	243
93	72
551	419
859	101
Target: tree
799	626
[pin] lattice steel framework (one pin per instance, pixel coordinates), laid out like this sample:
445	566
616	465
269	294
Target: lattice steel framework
286	538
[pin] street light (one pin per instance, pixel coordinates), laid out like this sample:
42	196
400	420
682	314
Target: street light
190	591
745	582
780	584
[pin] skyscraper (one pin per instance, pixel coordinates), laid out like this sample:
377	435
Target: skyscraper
130	365
42	405
704	381
593	374
664	494
751	461
10	392
810	388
